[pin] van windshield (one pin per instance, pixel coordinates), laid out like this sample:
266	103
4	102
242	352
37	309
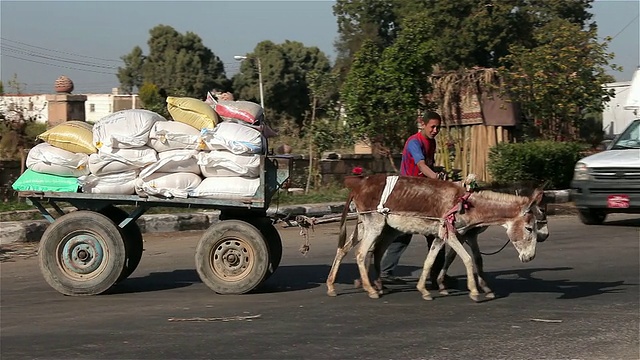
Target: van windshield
629	139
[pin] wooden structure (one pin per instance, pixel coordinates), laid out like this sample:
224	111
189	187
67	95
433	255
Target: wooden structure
476	118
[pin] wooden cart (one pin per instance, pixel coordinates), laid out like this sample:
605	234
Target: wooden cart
86	252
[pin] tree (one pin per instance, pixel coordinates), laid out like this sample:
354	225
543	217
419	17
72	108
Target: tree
178	64
130	76
284	76
561	79
383	91
1	88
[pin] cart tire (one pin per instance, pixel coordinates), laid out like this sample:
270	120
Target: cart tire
232	257
132	236
82	253
272	237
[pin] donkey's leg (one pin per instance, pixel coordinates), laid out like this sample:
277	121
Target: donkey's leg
455	244
477	259
373	225
340	254
450	257
388	236
436	245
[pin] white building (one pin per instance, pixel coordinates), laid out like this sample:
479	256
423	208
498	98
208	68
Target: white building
97	106
624	107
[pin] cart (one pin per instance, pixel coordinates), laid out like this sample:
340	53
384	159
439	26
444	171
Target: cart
86	252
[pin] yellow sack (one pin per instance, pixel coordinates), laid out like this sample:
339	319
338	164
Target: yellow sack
74	136
192	112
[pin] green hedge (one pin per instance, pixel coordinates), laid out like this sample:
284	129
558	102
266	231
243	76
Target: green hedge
535	162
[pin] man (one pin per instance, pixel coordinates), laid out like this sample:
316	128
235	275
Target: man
418	159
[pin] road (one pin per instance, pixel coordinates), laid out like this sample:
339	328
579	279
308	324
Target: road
579	299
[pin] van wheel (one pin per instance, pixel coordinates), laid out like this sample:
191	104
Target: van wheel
591	216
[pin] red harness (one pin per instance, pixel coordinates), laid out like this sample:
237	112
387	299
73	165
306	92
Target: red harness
450	217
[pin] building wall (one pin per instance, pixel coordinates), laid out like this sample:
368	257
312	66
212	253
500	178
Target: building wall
97	106
614	117
32	106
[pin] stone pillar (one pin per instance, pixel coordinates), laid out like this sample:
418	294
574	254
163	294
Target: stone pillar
64	107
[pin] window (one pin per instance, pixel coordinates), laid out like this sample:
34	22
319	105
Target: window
92	107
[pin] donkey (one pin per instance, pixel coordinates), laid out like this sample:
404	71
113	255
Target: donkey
390	206
471	238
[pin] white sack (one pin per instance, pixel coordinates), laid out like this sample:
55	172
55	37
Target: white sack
136	157
170	135
48	159
174	161
234	137
226	188
124	129
100	167
115	184
167	185
225	163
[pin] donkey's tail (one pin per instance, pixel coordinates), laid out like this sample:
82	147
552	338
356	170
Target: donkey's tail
342	239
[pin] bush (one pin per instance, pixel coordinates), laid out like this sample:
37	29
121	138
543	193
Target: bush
535	162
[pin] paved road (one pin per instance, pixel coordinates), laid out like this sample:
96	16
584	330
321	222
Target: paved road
583	278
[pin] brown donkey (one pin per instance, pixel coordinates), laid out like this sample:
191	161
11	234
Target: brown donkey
390	205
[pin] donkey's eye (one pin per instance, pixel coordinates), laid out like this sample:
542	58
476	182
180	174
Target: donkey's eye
528	228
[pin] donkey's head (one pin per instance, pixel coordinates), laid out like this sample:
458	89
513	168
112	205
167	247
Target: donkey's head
528	227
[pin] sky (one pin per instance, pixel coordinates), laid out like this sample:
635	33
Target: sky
84	40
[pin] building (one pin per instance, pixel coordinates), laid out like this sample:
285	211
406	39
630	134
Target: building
97	106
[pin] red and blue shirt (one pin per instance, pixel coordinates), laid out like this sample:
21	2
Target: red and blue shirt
417	148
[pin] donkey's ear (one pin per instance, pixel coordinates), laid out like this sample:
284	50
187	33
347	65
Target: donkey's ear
536	197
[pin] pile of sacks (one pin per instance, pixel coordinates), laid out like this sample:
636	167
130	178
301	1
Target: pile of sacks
210	149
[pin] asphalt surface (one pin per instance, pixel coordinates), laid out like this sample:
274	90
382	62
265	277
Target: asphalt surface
579	299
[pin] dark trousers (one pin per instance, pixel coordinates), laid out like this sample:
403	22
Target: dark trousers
398	246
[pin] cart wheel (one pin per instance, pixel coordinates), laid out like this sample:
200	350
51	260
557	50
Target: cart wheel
132	237
82	253
272	237
232	257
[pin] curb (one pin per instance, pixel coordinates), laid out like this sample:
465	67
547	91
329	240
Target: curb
32	230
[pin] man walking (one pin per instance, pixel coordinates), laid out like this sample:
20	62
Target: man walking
418	159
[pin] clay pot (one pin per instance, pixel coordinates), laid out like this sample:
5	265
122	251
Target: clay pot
63	85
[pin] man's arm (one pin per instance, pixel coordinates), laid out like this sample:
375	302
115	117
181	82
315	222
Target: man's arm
416	152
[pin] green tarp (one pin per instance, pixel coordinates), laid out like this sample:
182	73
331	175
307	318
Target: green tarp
35	181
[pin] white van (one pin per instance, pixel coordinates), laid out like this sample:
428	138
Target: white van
609	181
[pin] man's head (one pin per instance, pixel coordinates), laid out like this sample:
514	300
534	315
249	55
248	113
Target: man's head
429	124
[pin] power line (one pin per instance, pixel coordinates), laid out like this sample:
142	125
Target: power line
625	27
61	52
56	65
27	53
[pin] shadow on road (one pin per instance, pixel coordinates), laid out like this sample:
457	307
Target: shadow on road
625	222
157	281
305	277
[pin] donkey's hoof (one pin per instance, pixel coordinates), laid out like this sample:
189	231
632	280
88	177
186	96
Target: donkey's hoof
374	295
357	283
475	297
444	292
427	297
490	295
332	293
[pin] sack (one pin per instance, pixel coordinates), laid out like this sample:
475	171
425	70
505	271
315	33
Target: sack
100	167
34	181
174	161
135	157
74	136
171	135
224	163
246	111
167	185
48	159
115	184
226	188
234	137
124	129
192	112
